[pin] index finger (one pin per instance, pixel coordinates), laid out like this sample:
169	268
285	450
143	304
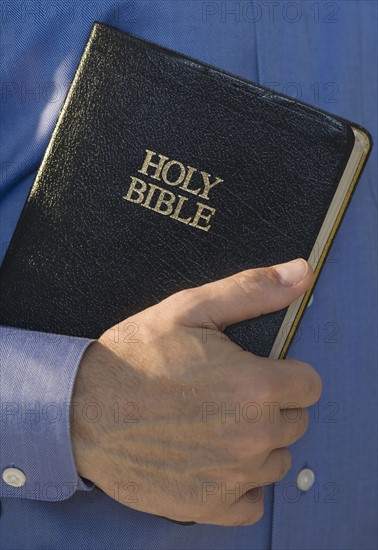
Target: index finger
291	383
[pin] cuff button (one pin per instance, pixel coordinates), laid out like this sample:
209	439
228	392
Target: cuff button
14	477
305	479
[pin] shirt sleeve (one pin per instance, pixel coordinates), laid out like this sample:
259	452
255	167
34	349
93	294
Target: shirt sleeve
37	375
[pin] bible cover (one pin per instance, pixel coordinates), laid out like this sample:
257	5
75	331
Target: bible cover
165	173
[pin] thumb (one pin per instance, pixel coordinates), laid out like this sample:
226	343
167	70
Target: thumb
248	294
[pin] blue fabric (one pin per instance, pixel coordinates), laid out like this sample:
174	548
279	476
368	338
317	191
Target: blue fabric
37	375
322	52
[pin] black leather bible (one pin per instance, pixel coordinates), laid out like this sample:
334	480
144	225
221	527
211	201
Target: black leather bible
165	173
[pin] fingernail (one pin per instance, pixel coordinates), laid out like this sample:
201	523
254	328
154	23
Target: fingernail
291	273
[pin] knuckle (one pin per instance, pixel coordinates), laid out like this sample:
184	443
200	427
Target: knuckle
302	424
283	465
181	303
295	416
251	282
298	425
247	281
183	297
255	515
313	388
240	478
264	440
265	388
235	522
310	386
318	386
305	418
239	447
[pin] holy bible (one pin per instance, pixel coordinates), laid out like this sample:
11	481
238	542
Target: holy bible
165	173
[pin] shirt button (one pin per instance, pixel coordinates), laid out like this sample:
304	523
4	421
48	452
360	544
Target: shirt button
305	479
14	477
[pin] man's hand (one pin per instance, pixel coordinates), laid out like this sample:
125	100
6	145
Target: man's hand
152	424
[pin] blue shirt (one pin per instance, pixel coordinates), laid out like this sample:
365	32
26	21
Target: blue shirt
321	52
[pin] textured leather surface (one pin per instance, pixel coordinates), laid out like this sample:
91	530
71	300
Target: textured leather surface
83	258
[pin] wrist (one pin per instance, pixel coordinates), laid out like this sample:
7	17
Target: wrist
86	410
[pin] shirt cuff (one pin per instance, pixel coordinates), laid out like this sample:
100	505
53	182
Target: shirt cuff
37	375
